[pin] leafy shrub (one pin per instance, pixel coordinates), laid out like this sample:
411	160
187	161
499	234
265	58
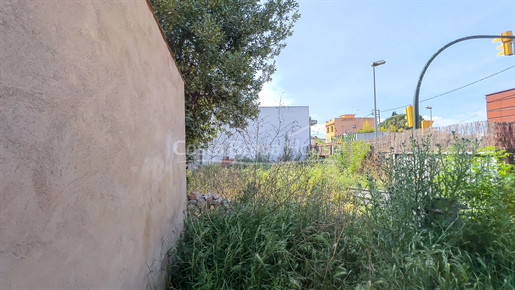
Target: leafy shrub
433	220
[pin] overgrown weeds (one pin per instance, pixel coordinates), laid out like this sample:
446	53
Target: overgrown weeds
433	220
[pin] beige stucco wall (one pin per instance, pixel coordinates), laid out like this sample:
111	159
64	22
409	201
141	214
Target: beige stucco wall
91	106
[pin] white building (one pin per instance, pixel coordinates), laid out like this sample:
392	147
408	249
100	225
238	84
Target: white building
279	133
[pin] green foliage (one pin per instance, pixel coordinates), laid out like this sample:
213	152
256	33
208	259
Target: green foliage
340	139
319	141
366	128
434	220
452	212
224	50
395	123
350	158
279	236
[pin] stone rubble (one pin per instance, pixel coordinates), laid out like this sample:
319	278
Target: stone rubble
199	203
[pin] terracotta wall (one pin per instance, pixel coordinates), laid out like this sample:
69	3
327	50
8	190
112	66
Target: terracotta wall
346	125
92	192
349	126
500	107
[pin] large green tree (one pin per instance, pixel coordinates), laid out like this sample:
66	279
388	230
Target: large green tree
225	50
395	123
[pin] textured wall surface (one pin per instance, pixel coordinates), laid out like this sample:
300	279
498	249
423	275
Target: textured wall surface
91	110
500	106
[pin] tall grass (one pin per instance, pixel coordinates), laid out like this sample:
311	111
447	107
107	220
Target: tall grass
428	220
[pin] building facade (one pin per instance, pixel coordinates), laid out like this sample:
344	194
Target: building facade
279	133
346	124
500	106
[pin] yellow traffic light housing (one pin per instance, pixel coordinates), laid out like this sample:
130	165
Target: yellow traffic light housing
427	124
506	48
410	117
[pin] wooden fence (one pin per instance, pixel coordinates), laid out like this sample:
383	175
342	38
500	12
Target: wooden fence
500	134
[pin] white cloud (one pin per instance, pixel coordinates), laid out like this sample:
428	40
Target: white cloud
466	117
442	122
318	130
273	95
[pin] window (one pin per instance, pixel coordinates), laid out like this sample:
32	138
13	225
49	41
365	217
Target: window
327	130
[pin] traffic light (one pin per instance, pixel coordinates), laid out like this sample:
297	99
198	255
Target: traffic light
506	48
427	124
410	116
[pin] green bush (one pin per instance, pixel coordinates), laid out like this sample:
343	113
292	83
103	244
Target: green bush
279	236
444	220
434	220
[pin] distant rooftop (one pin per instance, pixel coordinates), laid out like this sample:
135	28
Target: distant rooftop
500	92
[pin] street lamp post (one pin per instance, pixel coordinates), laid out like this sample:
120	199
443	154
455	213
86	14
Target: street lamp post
374	64
430	112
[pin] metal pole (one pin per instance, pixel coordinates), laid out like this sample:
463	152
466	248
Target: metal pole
431	114
417	91
375	106
378	118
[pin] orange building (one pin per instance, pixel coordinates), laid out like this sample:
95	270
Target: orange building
346	124
500	106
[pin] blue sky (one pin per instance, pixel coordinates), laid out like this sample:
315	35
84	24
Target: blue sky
326	64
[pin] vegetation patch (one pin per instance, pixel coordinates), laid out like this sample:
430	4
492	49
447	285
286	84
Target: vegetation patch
426	220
